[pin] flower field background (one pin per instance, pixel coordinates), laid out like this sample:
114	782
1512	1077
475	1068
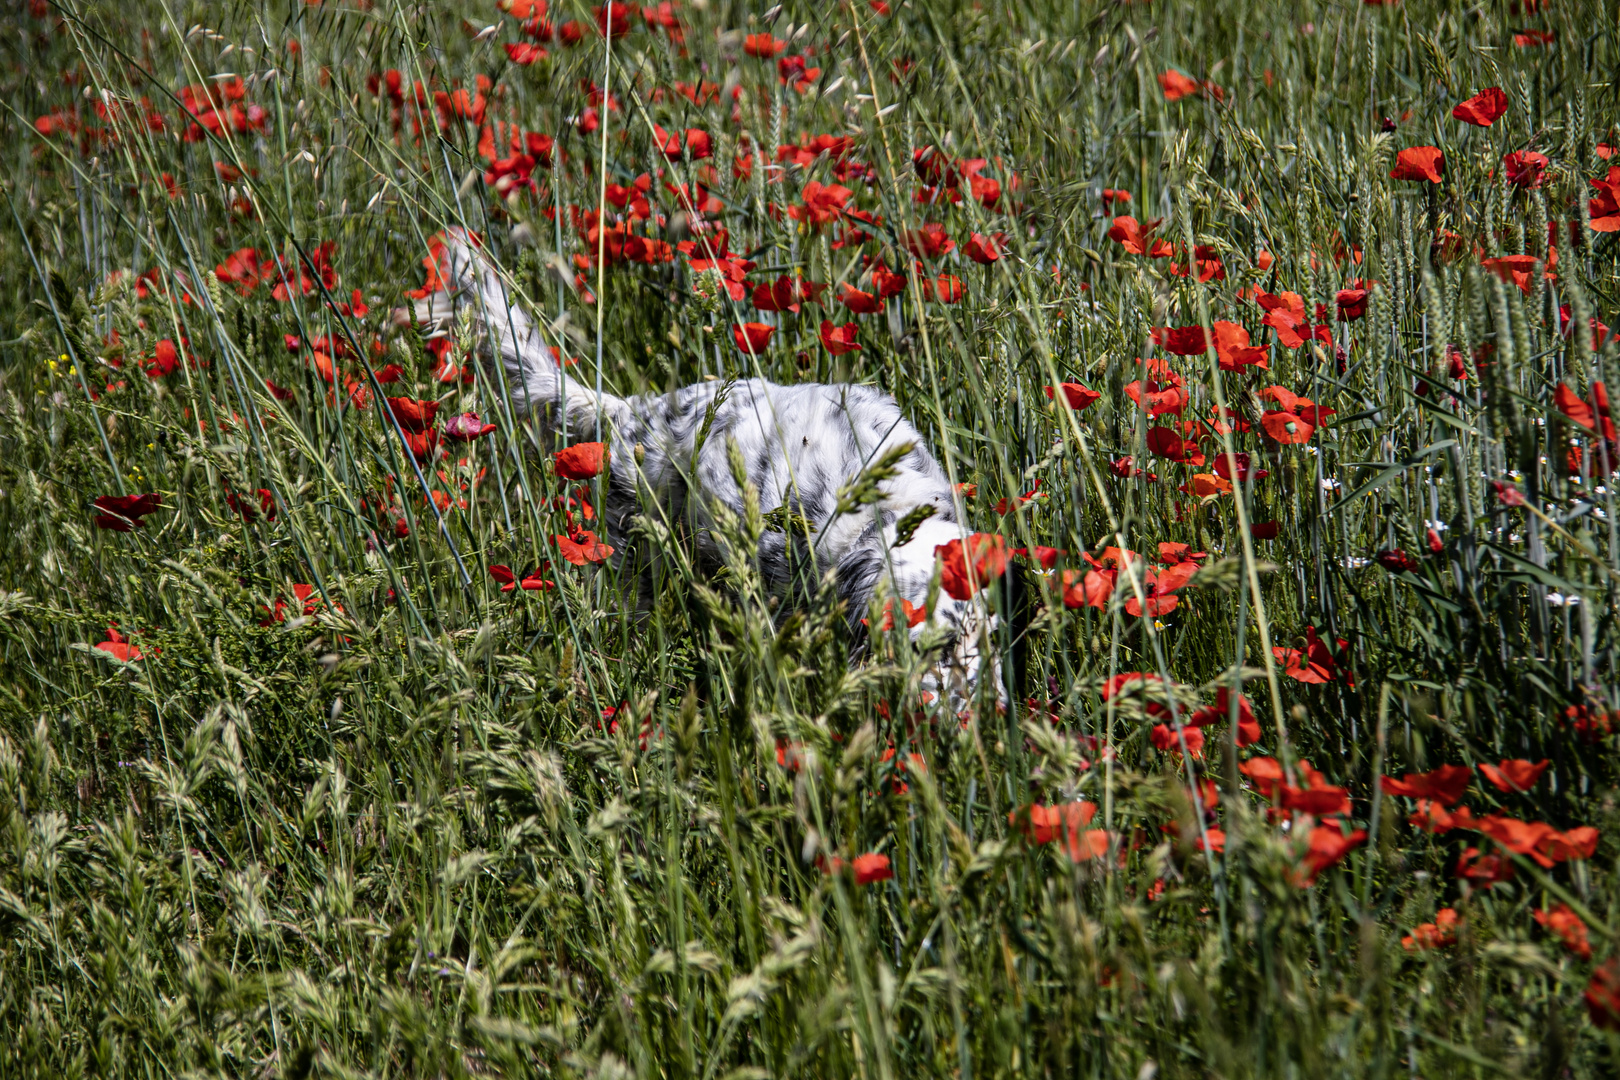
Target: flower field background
1265	344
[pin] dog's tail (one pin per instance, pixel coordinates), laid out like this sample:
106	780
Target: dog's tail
468	280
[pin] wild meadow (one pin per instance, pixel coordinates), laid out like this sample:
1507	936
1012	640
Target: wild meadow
1264	343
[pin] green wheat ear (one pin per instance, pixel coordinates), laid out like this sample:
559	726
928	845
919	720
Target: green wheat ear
906	527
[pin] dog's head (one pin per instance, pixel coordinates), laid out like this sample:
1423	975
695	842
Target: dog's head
970	658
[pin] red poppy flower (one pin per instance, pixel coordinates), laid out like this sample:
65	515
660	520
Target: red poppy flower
872	867
1285	313
1516	774
241	268
1172	553
764	46
423	444
1040	824
530	582
1167	444
911	613
164	360
1181	340
1126	467
1583	412
1159	588
1233	349
613	19
966	567
1319	799
1434	935
116	647
121	513
1530	39
784	294
1515	269
752	338
1162	392
1177	86
1432	817
1248	726
413	415
1081	846
581	546
1525	168
1419	163
838	340
1314	663
1577	843
1164	739
243	505
1483	109
1046	556
1396	560
1139	239
1207	260
1327	846
1352	304
1569	928
523	53
1522	837
1286	428
887	282
823	203
1604	210
1077	397
947	289
696	142
1507	494
1092	589
580	461
1266	773
1483	870
982	249
929	242
1236	468
861	303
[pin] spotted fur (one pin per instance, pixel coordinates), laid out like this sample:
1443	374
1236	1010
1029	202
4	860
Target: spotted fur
801	444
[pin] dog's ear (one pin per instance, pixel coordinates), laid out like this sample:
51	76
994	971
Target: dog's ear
858	574
1020	599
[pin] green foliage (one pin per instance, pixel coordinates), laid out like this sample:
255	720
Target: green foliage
289	786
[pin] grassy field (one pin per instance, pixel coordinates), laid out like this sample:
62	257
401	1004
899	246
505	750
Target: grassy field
1307	766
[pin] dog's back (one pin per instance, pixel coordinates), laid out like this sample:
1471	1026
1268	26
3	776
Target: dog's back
800	446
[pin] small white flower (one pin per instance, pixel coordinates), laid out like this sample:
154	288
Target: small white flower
1558	599
1437	526
1329	484
1355	562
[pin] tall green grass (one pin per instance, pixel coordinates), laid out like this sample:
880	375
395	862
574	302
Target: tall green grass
395	833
